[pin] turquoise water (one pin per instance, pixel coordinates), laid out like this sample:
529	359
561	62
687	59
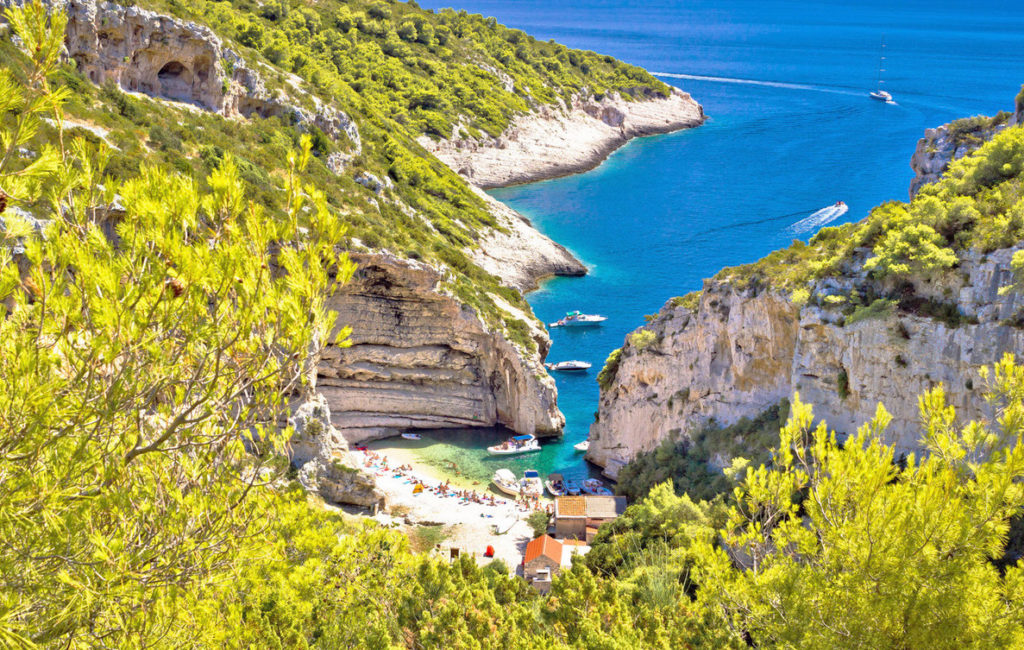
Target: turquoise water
665	212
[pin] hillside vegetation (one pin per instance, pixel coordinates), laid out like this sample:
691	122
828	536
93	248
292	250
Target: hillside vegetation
145	500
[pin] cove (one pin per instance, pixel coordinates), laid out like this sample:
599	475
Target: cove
790	130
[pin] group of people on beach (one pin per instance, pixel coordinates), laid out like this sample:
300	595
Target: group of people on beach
524	503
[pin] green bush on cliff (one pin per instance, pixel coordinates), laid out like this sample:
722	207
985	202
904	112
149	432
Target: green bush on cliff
693	462
606	377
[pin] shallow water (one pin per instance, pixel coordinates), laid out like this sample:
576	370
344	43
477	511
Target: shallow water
791	131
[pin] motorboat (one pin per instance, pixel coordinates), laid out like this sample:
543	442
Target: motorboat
411	436
595	487
531	484
878	93
506	481
582	446
568	366
515	445
572	488
555	485
578	319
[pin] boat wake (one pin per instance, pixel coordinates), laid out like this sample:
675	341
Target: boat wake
758	82
818	219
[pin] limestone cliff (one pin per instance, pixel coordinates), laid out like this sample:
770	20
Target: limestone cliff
420	359
560	140
740	352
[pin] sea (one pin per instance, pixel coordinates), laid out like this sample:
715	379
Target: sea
790	131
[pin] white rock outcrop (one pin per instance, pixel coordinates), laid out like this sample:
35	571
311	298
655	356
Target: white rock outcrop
743	351
325	465
420	359
560	140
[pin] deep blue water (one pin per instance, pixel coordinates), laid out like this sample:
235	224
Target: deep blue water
665	212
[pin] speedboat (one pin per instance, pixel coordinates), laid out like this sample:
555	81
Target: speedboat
572	488
411	436
515	445
506	481
595	487
582	446
568	366
555	485
531	484
578	319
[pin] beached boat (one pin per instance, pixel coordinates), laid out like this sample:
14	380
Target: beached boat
572	488
506	481
595	487
515	445
505	525
411	436
568	366
555	485
582	446
531	484
578	319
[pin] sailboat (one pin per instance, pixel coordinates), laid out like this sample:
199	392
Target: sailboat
878	93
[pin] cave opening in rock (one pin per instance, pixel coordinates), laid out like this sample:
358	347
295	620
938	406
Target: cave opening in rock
175	81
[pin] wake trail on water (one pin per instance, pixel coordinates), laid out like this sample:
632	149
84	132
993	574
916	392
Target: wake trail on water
818	219
758	82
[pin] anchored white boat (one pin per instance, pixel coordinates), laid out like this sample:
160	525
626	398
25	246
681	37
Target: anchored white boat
531	484
555	485
411	436
572	488
878	93
506	481
515	445
568	366
582	446
578	319
596	487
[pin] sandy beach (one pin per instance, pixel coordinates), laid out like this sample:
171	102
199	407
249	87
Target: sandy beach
469	513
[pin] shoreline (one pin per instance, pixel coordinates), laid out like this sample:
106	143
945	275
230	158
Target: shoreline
560	141
468	524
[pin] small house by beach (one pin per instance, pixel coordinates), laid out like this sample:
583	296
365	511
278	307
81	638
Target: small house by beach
542	561
580	517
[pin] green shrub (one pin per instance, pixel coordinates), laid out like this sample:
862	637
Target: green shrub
606	377
880	308
642	339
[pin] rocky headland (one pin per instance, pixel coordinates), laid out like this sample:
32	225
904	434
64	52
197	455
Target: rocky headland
554	141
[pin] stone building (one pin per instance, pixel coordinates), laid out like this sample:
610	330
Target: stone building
580	517
542	562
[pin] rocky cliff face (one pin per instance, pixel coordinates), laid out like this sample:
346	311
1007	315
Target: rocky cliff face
420	359
158	55
325	465
740	352
559	140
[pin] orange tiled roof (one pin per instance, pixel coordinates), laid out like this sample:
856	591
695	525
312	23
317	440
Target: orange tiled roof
571	506
544	545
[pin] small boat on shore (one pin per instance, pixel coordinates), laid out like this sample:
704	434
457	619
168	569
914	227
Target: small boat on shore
595	487
515	445
568	366
555	485
578	319
506	482
572	488
411	436
582	446
531	484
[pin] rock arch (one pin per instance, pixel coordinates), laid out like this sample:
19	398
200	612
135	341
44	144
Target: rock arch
175	81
